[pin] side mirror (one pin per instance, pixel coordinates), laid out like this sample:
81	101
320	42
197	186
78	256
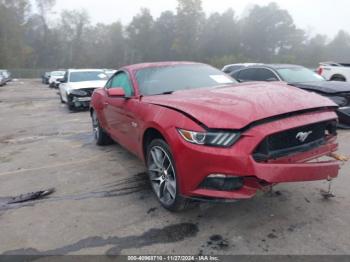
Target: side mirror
116	92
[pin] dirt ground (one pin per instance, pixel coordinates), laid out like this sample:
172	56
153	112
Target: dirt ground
103	203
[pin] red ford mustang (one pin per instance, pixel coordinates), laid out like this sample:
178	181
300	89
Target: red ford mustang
203	136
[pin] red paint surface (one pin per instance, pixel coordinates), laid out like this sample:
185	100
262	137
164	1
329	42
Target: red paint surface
230	107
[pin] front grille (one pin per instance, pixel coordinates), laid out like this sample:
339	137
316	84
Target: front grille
89	91
294	140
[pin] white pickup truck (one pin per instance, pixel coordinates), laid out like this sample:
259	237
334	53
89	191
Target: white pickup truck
334	71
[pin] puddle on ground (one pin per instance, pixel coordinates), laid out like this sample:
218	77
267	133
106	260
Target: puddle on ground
169	234
122	187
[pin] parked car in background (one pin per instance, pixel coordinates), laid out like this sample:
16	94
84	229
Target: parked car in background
334	71
45	78
77	86
6	75
203	136
55	76
301	77
110	72
234	67
2	80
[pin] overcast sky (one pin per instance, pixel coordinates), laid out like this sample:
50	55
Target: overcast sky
316	16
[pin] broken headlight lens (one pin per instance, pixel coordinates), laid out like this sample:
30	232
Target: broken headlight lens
219	139
78	93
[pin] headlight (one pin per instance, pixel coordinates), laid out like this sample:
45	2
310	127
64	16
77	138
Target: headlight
340	101
219	139
78	92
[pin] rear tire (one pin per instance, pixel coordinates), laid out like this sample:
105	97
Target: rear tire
101	137
163	177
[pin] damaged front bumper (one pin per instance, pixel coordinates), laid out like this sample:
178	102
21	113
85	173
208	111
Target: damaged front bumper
197	163
80	98
300	167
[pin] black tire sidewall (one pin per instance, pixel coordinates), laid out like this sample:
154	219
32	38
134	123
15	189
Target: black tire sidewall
70	104
176	205
61	99
99	133
103	138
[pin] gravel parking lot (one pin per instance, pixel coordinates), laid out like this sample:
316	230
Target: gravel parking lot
104	205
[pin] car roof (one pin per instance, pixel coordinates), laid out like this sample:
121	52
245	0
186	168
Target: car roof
243	64
85	70
274	66
137	67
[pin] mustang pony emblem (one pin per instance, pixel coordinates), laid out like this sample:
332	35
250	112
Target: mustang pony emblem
302	136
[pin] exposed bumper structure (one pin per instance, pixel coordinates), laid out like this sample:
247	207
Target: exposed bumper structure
80	98
290	170
197	162
344	117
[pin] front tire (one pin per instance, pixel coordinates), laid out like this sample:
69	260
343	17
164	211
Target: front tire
70	104
163	176
338	78
101	137
62	101
71	107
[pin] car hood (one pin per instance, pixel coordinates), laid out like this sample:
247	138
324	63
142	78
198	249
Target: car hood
87	84
56	77
329	87
237	106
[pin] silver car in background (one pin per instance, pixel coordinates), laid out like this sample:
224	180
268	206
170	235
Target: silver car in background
77	86
228	69
55	76
6	75
2	80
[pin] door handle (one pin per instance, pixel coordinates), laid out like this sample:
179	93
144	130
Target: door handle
105	103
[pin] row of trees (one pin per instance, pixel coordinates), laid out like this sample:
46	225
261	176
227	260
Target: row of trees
267	34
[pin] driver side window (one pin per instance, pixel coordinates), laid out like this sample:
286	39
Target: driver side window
263	74
247	75
122	80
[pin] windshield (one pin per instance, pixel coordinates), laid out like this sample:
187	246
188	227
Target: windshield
167	79
110	73
299	75
87	76
58	73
